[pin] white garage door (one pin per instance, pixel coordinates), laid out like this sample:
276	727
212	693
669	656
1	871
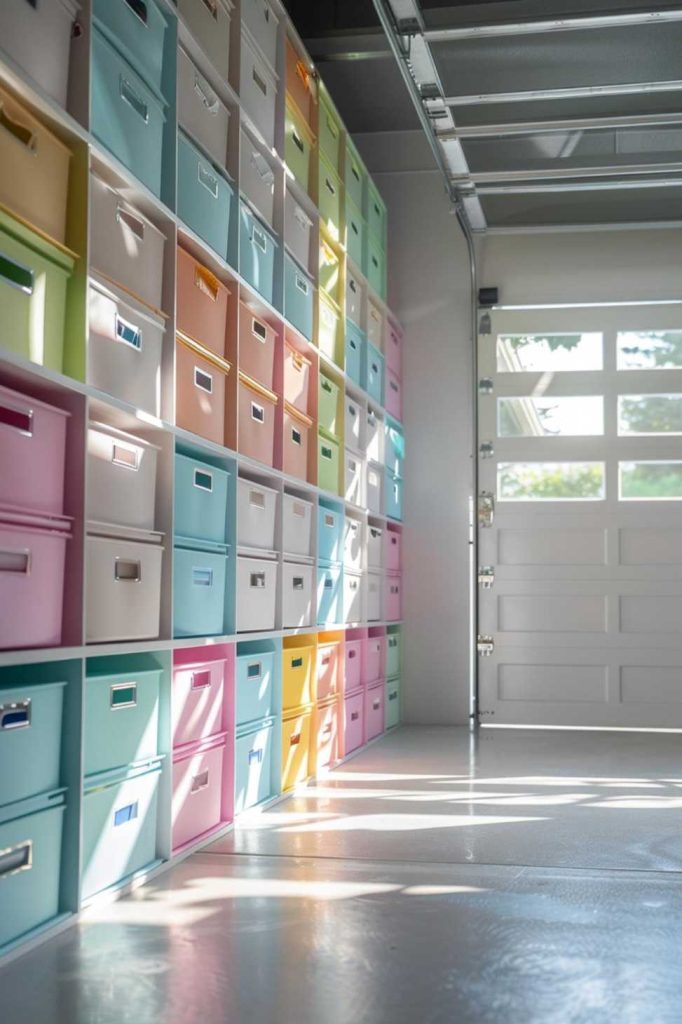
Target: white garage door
580	427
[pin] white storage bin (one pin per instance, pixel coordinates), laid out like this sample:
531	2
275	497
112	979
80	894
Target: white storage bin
355	298
201	112
121	478
38	37
297	231
374	437
354	424
125	343
375	488
209	22
354	476
261	21
256	178
353	544
258	88
375	546
297	523
123	586
256	510
374	586
352	596
256	594
125	246
375	324
297	595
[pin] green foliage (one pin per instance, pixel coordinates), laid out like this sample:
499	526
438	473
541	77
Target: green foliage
551	481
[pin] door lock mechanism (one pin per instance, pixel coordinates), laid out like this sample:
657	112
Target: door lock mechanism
486	509
485	645
486	576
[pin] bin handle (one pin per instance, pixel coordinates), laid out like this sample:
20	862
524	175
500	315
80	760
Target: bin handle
212	8
139	8
128	458
257	412
15	715
303	73
298	583
199	782
257	580
17	562
262	167
126	814
203	380
255	755
127	571
296	436
297	140
128	333
16	858
16	275
257	666
122	696
376	704
295	739
129	95
208	180
210	100
20	132
201	680
354	715
301	284
203	480
16	419
260	82
258	238
352	653
136	224
330	187
327	729
207	283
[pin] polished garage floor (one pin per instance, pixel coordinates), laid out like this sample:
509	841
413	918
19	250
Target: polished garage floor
529	877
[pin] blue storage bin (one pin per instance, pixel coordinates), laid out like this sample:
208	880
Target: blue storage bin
330	527
204	196
30	740
257	248
119	826
299	292
254	683
355	346
329	595
393	496
373	372
394	447
253	764
127	116
121	719
30	863
200	500
199	575
137	28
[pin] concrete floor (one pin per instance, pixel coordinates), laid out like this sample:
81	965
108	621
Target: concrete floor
529	878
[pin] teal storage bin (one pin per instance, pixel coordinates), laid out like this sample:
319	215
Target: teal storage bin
205	196
376	267
393	496
30	740
199	575
355	177
137	28
356	234
330	527
373	372
257	247
200	500
254	682
30	864
121	719
328	404
253	764
329	199
299	294
355	345
393	655
376	214
392	704
128	117
329	595
394	447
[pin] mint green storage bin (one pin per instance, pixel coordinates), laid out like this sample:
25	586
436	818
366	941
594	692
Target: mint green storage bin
199	574
200	500
356	234
257	247
137	28
329	595
393	496
328	404
205	196
394	447
254	683
329	199
329	132
355	176
299	294
121	719
355	344
376	267
30	864
376	214
253	764
393	653
392	703
373	372
298	147
30	740
327	463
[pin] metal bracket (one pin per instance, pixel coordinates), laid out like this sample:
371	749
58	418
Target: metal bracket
485	645
485	386
486	576
430	91
409	26
486	509
486	450
485	325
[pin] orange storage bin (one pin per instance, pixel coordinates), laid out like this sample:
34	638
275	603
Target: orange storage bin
328	670
257	410
200	390
301	83
296	378
256	346
202	304
297	427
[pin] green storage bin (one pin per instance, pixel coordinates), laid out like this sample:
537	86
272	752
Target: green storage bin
327	463
393	655
328	404
30	740
298	147
330	131
376	267
199	575
121	718
355	345
356	234
34	275
392	703
355	176
329	199
376	214
330	271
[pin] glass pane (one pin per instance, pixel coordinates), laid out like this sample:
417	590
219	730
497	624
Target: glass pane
651	481
649	350
520	352
550	417
650	414
550	481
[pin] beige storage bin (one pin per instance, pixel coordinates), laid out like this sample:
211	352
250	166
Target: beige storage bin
201	112
121	477
123	585
209	22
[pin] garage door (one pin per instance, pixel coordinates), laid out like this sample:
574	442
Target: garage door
580	516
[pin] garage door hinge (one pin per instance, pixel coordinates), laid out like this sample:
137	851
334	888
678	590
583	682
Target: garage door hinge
485	645
486	509
486	576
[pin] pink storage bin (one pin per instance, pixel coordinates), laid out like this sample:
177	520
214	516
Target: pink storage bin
257	409
32	562
393	540
201	304
200	383
373	660
353	660
394	350
256	346
393	597
353	723
327	735
198	701
297	430
393	395
296	378
32	447
374	712
328	666
198	781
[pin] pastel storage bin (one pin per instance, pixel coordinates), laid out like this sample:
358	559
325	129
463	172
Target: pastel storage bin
119	826
257	410
128	116
329	595
374	712
200	499
328	404
376	214
34	168
32	453
299	292
202	304
330	525
373	379
123	589
356	235
393	603
352	596
198	782
355	342
329	330
138	31
353	547
355	177
375	546
121	719
376	267
353	722
297	526
328	463
200	383
256	179
330	133
298	665
394	448
201	113
373	660
329	199
393	348
205	196
199	576
209	23
375	324
296	736
254	684
256	346
329	662
256	594
296	378
353	665
392	704
393	655
394	395
39	38
124	245
32	565
298	228
121	477
30	864
375	480
393	550
30	739
353	424
394	497
256	511
374	437
355	298
300	82
374	593
299	143
261	21
198	702
34	275
256	253
257	88
330	272
296	442
253	765
326	737
297	595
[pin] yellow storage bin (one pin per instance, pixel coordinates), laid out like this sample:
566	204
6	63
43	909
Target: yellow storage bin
296	732
297	676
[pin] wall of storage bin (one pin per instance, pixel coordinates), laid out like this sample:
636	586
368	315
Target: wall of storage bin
201	450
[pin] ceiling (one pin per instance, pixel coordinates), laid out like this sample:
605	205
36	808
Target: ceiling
538	112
